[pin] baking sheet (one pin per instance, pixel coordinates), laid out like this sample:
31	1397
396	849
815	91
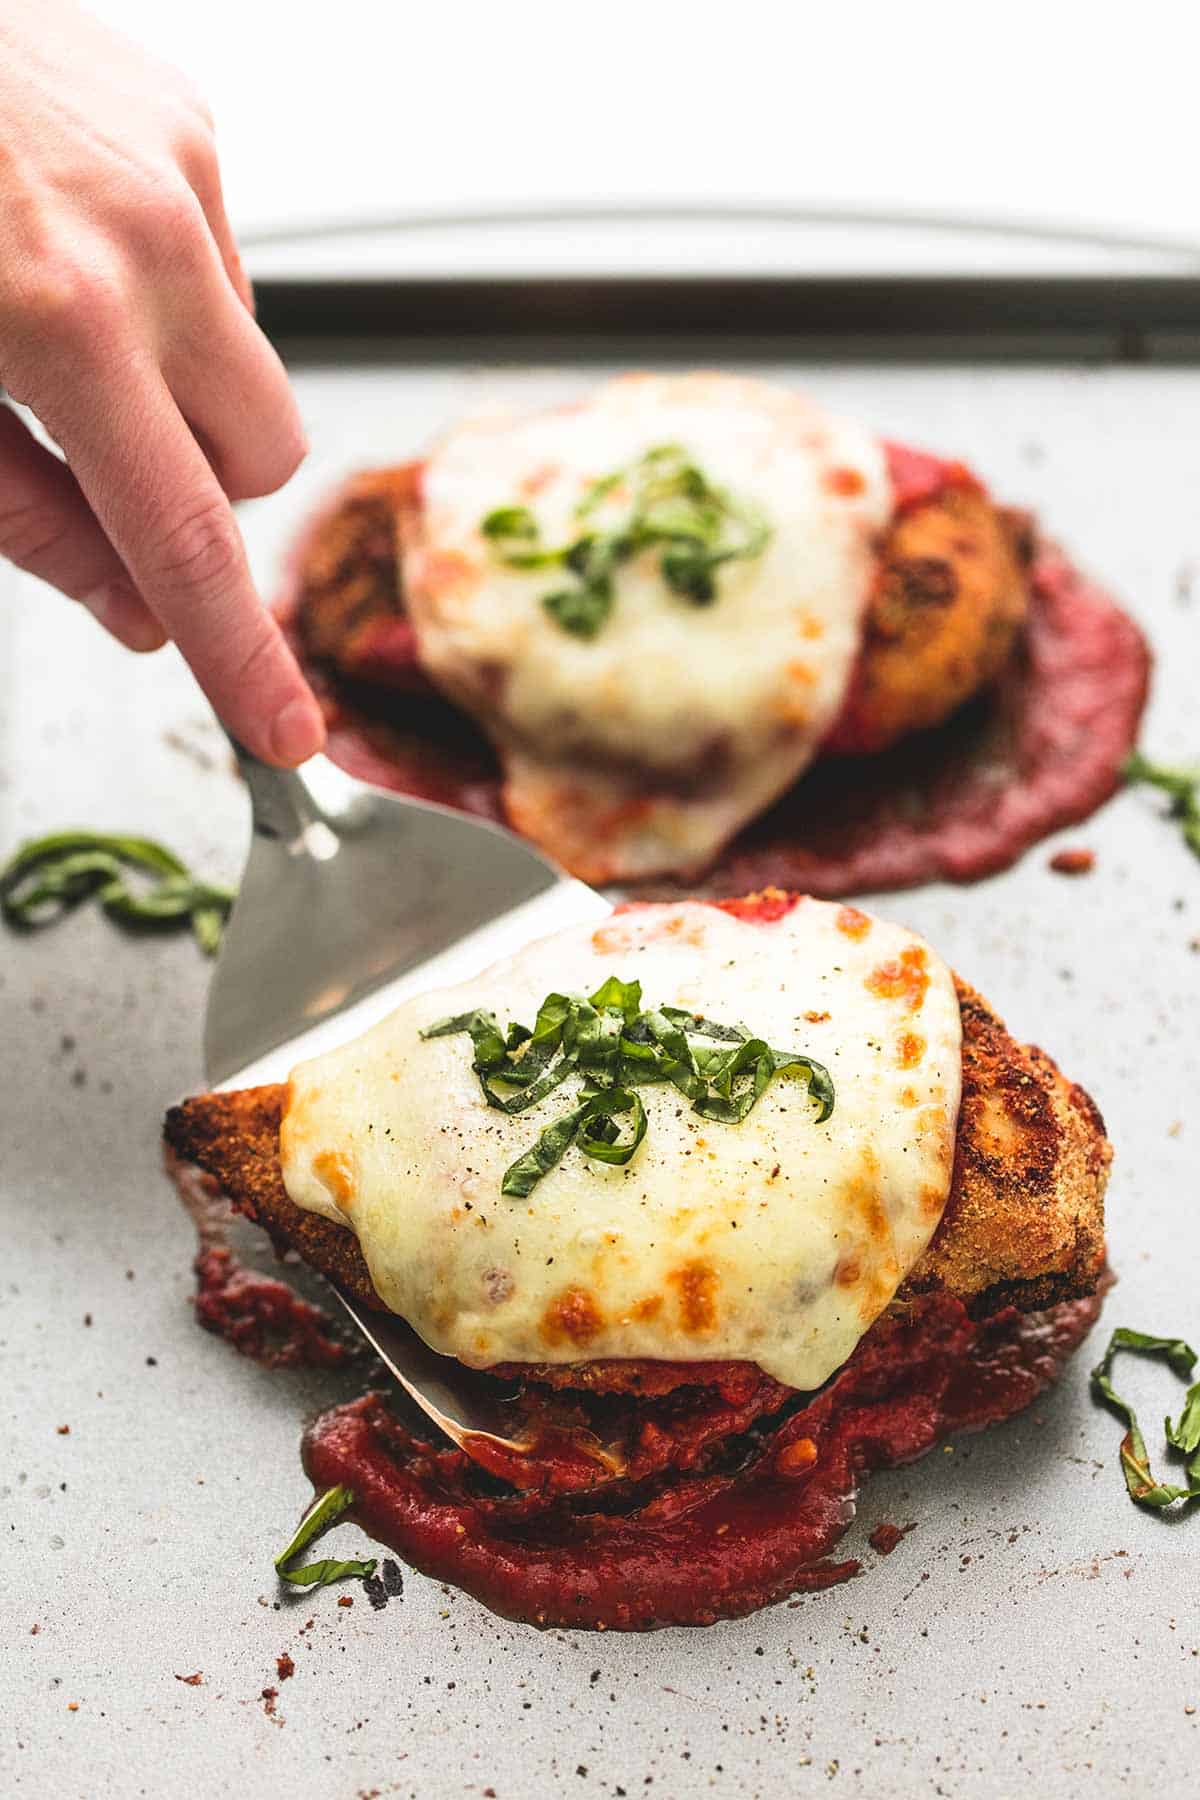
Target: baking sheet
1033	1628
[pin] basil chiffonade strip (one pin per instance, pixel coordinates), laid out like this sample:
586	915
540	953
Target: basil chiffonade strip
615	1046
46	877
661	502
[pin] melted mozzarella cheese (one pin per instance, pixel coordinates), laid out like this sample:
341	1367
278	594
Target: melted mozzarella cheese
776	1240
643	749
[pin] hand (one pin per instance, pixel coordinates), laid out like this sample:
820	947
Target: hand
127	327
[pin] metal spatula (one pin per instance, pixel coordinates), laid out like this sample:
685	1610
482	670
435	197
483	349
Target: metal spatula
353	900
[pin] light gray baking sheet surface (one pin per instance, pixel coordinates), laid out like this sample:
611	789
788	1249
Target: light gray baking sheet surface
1034	1632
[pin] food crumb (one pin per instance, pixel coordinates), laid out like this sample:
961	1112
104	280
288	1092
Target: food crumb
72	1706
345	1600
33	1630
63	1430
191	1680
1073	862
886	1536
285	1668
375	1591
269	1696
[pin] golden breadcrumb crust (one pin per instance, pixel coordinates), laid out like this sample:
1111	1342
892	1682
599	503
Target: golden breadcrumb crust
949	597
1023	1226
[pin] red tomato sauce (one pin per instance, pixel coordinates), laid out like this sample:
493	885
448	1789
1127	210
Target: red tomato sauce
755	1519
261	1317
1041	750
917	476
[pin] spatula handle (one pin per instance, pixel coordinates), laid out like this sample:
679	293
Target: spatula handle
287	803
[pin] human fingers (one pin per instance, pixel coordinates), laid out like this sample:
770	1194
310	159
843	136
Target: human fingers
48	529
163	509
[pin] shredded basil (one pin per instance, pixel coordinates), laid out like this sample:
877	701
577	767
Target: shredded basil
662	502
46	877
615	1047
1182	787
325	1510
1183	1435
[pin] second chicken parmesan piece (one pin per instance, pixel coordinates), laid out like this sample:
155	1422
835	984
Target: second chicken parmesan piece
691	627
651	601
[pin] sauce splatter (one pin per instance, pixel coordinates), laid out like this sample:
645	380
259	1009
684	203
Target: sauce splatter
262	1317
886	1536
1073	862
259	1315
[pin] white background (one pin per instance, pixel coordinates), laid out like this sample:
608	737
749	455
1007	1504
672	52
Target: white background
1080	114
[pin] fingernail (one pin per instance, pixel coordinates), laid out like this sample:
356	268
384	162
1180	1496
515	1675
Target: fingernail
297	732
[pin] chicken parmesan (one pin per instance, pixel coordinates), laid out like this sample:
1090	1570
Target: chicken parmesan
756	1193
632	626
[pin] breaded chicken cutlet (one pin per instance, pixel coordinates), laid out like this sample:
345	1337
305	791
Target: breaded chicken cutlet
1023	1225
947	602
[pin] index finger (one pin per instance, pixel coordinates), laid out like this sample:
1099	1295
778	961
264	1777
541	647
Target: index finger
152	489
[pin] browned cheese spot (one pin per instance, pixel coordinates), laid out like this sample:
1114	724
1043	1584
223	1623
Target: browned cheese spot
614	938
852	923
572	1317
910	1048
335	1171
696	1284
904	977
444	571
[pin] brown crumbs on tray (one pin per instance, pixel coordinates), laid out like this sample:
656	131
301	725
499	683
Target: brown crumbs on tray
63	1430
269	1696
1073	862
192	1680
345	1600
375	1591
285	1668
